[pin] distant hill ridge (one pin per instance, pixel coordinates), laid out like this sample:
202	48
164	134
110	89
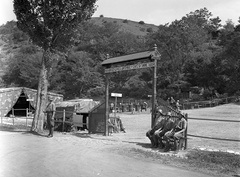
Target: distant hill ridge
138	28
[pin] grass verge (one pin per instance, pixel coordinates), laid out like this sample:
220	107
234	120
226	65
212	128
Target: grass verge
210	162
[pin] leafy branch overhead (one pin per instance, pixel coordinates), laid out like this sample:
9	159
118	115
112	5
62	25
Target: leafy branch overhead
49	23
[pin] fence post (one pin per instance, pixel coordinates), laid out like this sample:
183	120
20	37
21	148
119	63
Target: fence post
63	126
13	115
26	116
186	117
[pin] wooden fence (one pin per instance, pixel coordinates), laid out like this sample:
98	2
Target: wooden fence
209	103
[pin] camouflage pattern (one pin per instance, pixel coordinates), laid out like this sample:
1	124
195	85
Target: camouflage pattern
9	96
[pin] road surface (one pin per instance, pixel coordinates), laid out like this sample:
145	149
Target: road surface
23	154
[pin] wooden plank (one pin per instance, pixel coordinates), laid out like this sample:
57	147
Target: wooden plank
130	67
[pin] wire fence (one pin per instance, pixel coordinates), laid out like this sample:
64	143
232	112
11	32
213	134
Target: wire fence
214	138
14	119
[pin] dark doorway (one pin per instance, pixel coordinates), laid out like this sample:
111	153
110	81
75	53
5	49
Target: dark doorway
19	109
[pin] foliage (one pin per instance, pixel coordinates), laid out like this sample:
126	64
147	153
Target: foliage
229	60
195	52
22	70
125	21
183	42
150	30
77	74
49	23
141	22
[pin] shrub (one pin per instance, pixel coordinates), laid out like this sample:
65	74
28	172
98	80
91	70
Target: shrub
125	21
150	30
101	16
141	22
142	29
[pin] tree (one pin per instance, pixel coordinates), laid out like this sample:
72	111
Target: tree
180	42
78	74
51	25
22	70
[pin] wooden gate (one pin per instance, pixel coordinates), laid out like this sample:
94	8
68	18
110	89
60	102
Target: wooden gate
146	59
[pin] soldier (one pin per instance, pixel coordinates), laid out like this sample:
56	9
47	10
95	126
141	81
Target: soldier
177	132
158	124
168	124
50	110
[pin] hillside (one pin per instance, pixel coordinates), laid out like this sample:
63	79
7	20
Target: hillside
137	28
11	38
5	54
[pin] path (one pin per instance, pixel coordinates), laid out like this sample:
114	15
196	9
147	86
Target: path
23	154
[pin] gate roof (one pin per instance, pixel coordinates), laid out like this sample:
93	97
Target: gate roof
131	57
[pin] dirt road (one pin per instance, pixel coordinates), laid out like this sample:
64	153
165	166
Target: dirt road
23	154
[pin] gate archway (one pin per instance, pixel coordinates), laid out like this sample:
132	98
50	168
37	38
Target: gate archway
146	59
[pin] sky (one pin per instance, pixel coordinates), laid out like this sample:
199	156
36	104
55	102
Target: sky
150	11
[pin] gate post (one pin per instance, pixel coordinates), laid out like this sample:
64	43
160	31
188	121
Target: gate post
106	101
26	116
186	117
106	104
64	118
154	91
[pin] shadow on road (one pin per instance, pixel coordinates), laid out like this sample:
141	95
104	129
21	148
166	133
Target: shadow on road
145	145
82	135
35	133
12	129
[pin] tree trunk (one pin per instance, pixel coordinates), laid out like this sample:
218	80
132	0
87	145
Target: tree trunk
37	124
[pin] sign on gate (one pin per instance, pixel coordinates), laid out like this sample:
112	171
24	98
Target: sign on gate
130	67
116	94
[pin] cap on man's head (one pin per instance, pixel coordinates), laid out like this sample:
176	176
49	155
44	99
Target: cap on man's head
50	98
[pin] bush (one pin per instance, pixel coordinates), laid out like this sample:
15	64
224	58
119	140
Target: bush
150	30
125	21
141	22
142	29
101	16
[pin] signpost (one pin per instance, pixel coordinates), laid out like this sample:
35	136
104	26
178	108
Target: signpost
115	95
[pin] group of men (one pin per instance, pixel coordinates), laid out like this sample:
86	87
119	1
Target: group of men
129	107
166	128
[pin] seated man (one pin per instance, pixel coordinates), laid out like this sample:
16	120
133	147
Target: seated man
177	132
110	127
158	124
119	121
168	124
